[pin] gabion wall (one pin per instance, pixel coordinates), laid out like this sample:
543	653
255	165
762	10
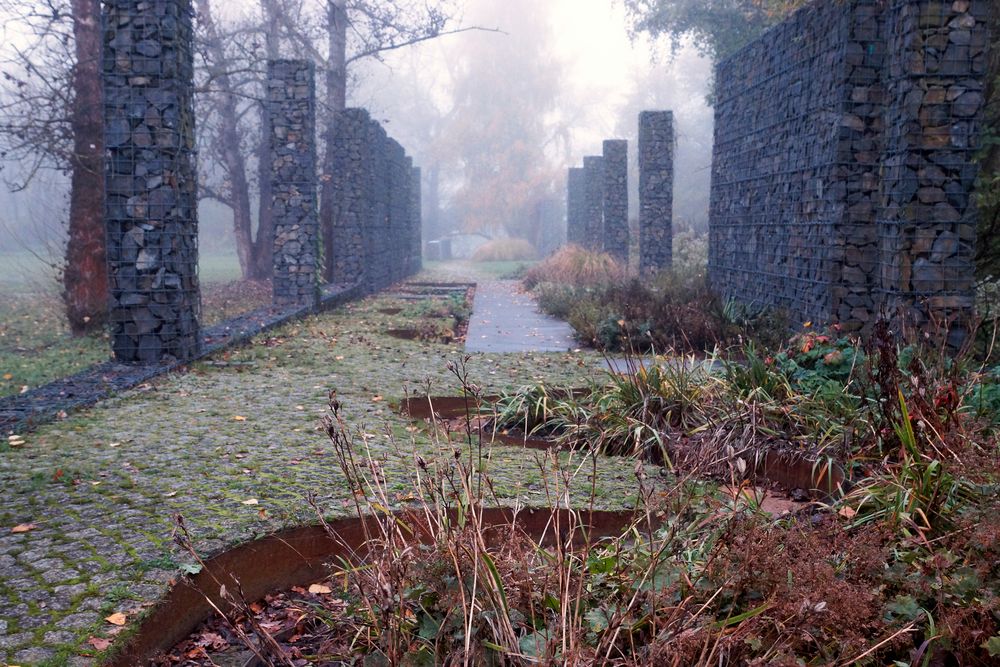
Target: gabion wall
416	222
656	190
377	223
842	164
576	194
151	205
927	221
291	107
615	206
593	202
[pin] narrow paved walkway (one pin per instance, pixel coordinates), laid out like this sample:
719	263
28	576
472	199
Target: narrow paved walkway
506	319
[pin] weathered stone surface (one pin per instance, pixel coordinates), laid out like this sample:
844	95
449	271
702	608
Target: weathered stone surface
575	206
656	190
615	205
151	180
376	200
291	108
593	209
843	162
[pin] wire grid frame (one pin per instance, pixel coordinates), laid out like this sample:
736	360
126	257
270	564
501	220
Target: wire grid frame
937	64
656	149
779	174
291	110
151	180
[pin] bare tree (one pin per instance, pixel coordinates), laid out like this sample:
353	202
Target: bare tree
51	117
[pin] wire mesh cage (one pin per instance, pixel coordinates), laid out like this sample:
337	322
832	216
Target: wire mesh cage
151	180
291	107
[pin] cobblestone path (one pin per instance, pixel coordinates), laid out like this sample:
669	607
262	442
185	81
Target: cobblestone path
87	504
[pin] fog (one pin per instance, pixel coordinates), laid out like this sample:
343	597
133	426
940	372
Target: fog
494	117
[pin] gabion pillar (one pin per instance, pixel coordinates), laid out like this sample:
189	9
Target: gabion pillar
416	225
291	106
399	206
378	232
927	231
615	203
151	201
575	198
593	204
352	185
656	190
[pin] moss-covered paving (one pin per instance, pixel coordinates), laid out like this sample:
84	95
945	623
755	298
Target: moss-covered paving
92	497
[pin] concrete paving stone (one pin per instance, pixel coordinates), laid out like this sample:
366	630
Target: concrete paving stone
3	627
70	591
57	637
79	621
57	575
6	562
34	655
8	642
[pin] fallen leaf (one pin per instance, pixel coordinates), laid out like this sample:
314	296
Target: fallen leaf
339	357
8	376
239	418
117	618
847	512
376	399
23	528
320	589
251	501
170	495
100	643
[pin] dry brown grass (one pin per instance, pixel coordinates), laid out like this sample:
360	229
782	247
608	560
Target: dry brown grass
505	250
573	265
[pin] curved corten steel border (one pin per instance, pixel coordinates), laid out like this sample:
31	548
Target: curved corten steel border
299	556
789	471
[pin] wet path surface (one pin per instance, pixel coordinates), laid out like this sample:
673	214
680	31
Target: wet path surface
507	319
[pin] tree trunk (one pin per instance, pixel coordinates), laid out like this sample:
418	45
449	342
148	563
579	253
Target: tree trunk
229	144
336	99
85	280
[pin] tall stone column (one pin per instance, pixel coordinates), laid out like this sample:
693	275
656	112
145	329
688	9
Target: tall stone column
152	200
656	190
927	231
291	106
352	187
615	206
575	198
593	206
416	225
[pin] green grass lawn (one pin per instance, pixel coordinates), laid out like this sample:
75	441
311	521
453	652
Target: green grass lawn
35	344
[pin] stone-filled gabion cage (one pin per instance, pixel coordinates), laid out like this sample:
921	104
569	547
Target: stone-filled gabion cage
376	237
843	163
615	208
656	190
593	202
575	202
151	179
291	108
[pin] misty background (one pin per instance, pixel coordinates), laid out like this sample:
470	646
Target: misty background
493	118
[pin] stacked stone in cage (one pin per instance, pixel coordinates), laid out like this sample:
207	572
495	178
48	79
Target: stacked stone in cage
376	237
593	202
843	169
575	203
151	180
291	96
615	200
656	190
